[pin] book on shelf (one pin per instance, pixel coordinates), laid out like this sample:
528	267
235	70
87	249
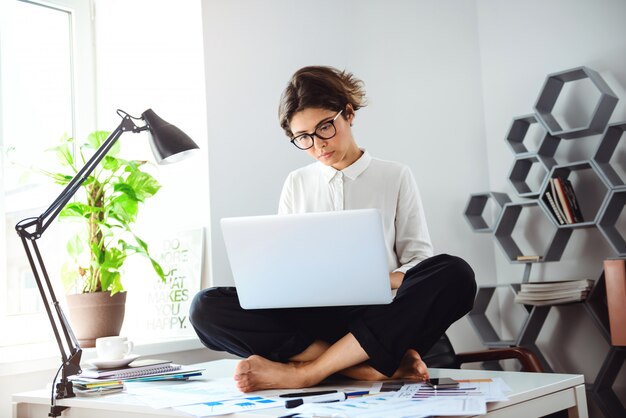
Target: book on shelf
557	301
556	285
547	197
572	201
137	368
552	293
562	199
557	204
529	258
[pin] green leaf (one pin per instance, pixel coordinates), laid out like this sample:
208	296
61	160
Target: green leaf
97	138
75	209
124	208
61	179
111	163
158	269
110	280
75	247
127	189
144	184
116	286
64	153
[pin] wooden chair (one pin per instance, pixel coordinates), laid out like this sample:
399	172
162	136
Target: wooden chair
442	355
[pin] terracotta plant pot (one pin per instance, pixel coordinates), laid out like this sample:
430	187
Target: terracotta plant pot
95	315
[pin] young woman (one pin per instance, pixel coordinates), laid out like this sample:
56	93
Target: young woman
293	348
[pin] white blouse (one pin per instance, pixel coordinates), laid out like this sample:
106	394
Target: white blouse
368	183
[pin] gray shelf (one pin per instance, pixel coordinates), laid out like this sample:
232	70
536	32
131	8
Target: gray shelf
517	137
477	205
522	168
601	193
511	212
549	95
612	138
592	209
609	215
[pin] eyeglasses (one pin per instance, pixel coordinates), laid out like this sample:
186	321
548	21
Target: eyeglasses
325	130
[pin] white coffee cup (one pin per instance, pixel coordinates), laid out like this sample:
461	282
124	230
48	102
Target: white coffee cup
113	348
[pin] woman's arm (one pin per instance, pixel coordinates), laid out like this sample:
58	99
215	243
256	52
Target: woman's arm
412	240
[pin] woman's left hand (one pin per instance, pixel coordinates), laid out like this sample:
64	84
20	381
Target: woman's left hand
396	278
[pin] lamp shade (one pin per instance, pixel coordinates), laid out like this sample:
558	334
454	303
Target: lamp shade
169	144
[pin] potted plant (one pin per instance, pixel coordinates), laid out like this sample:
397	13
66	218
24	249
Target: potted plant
108	208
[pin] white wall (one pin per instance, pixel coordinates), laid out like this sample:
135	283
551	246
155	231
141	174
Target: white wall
420	65
520	43
142	64
445	80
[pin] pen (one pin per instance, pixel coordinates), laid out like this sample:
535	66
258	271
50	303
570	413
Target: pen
359	393
303	394
330	397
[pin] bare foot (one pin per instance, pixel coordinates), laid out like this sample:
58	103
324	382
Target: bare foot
411	368
259	373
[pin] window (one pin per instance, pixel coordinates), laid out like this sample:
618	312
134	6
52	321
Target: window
39	94
49	87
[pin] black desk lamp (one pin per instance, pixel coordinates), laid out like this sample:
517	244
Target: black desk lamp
169	144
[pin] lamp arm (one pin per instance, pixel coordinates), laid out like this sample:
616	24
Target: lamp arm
30	230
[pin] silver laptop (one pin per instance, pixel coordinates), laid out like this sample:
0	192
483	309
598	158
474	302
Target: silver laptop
312	259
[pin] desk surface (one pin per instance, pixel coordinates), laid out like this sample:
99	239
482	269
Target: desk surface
533	394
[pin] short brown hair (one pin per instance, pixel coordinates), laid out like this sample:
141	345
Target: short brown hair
319	87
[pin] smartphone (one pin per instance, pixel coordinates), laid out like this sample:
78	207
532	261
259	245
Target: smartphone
442	383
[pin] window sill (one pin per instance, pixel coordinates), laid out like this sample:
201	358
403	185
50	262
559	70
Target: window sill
46	356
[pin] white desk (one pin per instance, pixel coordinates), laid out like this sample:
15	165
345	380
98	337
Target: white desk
533	395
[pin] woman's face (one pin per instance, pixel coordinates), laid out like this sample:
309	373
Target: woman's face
341	150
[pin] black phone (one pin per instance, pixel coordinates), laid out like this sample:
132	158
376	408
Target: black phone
442	383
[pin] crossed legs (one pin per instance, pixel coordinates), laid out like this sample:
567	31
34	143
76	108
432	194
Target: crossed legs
319	361
294	348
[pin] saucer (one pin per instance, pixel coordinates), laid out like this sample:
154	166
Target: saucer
110	364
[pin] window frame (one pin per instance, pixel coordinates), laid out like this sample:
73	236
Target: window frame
83	109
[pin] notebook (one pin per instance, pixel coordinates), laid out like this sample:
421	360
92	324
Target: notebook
311	259
137	368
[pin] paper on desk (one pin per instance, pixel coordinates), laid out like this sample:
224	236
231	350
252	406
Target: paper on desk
390	407
230	406
185	393
491	390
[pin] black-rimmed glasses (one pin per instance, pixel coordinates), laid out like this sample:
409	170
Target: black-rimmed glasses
325	130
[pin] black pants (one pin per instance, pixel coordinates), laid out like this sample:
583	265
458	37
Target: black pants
434	294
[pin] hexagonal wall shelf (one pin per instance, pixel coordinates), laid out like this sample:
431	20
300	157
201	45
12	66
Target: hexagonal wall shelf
517	137
525	166
476	206
606	150
609	216
602	391
590	198
527	334
550	93
597	307
504	234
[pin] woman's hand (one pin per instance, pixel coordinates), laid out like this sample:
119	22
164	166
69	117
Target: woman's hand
396	278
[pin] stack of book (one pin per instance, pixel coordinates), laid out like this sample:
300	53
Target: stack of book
553	293
101	381
87	388
561	199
